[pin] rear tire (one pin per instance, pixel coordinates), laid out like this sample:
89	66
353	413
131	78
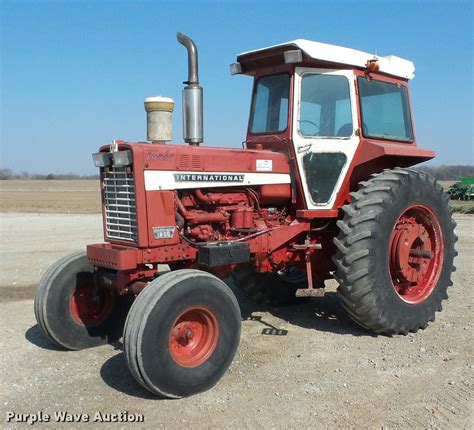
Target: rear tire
395	252
182	333
68	311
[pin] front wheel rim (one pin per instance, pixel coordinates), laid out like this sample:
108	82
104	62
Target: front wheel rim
90	307
416	254
193	336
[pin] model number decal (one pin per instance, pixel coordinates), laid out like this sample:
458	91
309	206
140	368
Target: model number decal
198	177
163	232
264	165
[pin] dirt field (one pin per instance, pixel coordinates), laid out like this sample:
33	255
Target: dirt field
466	207
54	196
83	196
322	372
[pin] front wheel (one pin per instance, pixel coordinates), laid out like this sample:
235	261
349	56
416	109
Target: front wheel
395	252
182	333
72	312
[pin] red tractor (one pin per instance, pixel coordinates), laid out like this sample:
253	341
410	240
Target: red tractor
322	190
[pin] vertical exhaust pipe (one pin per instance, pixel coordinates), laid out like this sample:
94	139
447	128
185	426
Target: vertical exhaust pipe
192	96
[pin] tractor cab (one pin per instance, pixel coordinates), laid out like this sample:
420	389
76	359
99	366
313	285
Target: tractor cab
320	103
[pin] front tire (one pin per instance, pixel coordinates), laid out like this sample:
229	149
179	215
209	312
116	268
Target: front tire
182	333
395	252
71	312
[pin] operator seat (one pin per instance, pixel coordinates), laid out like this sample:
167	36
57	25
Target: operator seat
346	130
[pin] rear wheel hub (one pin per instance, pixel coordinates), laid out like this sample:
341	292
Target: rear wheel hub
416	254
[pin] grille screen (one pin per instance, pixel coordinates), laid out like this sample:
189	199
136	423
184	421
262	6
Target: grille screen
120	206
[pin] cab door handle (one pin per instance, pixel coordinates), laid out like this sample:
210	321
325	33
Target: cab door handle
304	148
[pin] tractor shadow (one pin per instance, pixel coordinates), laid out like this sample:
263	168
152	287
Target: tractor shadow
322	314
35	336
114	372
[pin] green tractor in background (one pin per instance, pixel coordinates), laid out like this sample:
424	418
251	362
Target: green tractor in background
462	190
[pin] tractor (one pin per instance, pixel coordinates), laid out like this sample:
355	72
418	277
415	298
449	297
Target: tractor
321	189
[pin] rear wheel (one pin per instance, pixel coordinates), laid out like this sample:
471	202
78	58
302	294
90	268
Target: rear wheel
395	252
182	333
270	289
71	312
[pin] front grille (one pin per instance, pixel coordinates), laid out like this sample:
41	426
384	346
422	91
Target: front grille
120	206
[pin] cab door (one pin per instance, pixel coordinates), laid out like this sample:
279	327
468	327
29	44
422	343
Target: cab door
324	131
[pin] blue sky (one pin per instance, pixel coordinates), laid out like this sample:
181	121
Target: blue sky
74	74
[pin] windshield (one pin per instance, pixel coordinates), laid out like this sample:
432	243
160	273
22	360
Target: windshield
385	110
269	112
325	107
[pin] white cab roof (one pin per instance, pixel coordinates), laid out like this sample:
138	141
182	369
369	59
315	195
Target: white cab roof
390	64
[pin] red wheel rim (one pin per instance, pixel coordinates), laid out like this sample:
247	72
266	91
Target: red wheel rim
416	254
193	336
89	307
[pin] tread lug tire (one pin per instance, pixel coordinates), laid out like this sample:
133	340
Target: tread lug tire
380	285
182	333
62	311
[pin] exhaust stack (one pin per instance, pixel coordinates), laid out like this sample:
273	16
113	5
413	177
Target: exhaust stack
192	96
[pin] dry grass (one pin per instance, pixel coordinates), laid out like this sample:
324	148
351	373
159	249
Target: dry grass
50	196
462	206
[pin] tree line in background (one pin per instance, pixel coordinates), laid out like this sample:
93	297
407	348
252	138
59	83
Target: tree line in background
448	173
6	174
441	173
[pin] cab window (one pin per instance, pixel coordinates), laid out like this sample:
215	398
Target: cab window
269	112
385	110
325	107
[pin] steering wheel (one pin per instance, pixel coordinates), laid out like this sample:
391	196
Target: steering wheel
312	123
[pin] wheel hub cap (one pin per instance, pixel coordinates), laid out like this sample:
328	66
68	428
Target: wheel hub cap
410	238
193	337
416	254
90	307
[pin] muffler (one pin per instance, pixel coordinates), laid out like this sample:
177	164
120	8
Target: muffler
192	96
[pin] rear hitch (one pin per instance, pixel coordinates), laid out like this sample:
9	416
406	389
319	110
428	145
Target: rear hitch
309	248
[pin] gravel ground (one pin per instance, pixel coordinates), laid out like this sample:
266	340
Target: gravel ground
323	371
32	241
